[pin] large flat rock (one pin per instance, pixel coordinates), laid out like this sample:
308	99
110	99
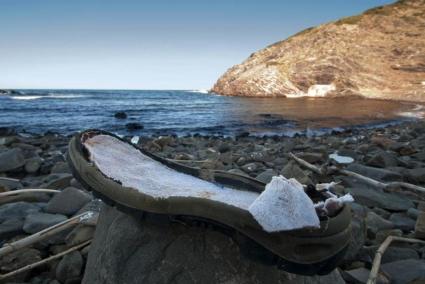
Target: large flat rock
129	249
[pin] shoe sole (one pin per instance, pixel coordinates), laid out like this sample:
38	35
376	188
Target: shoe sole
330	242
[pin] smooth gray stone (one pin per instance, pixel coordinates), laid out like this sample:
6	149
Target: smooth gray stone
267	175
375	173
10	228
36	222
11	159
68	201
403	222
404	271
69	267
377	198
128	249
17	210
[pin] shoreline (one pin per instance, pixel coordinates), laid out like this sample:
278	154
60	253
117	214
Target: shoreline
393	153
296	132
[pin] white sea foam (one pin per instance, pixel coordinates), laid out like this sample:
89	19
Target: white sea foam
64	96
202	91
49	96
26	97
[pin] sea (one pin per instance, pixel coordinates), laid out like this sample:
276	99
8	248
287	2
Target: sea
190	112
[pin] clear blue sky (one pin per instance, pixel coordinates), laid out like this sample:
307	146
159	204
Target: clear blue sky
135	44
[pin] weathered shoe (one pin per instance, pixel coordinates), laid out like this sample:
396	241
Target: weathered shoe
130	178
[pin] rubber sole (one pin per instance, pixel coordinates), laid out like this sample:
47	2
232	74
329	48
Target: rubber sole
248	247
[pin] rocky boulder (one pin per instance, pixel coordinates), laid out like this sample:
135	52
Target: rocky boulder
328	60
129	249
11	159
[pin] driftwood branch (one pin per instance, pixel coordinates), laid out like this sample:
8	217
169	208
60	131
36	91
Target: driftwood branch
43	261
23	195
10	179
379	253
370	181
27	190
306	164
46	233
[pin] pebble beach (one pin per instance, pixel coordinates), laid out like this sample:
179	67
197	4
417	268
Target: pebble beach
395	153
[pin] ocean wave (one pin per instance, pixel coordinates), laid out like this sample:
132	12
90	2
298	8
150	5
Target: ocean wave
26	97
201	91
64	96
49	96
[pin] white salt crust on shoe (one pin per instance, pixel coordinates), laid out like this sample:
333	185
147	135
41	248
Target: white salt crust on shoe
282	206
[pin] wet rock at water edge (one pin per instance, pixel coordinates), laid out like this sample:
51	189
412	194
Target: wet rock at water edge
134	126
120	115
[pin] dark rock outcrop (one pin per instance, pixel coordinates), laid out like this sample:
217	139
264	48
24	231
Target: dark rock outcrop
128	249
378	54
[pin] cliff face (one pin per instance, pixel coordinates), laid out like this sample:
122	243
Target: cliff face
378	54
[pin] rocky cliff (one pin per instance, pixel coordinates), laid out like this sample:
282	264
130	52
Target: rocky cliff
377	54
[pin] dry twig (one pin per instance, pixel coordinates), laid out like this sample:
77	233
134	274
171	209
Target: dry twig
382	248
44	234
306	164
370	181
43	261
27	194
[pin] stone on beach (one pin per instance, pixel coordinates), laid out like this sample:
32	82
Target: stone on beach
266	176
403	222
178	253
9	184
404	271
416	175
36	222
383	159
292	170
374	197
11	160
17	210
57	181
11	227
420	226
376	223
68	201
32	165
375	173
69	268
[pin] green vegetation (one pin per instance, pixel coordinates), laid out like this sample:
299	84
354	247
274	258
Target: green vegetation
349	20
380	10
